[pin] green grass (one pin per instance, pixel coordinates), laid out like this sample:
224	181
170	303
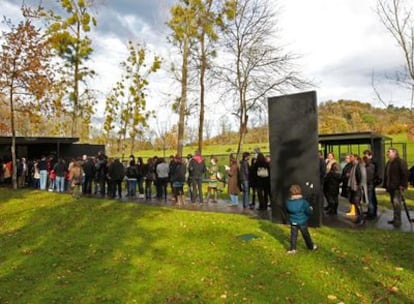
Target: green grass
58	250
403	138
384	199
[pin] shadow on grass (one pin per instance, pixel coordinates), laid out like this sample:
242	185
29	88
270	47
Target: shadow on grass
7	193
353	255
74	251
100	251
89	251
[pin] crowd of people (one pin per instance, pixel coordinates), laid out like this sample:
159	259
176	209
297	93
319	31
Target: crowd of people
153	179
356	177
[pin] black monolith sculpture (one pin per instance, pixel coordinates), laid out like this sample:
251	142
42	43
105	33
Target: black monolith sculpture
293	136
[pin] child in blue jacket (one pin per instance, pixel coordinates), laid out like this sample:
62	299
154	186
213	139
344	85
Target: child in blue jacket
299	212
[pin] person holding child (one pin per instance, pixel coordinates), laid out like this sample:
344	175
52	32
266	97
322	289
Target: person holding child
299	211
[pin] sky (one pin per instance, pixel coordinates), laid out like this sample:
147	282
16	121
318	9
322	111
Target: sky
342	44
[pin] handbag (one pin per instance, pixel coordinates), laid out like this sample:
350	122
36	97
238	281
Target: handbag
262	172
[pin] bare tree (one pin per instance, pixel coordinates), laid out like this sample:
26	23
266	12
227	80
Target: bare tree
255	65
161	131
208	129
396	16
376	91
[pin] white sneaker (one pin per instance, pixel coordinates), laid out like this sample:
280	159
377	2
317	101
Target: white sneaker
315	247
293	251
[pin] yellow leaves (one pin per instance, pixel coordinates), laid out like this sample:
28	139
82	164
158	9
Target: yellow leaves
81	3
130	92
25	67
230	9
54	27
334	298
156	64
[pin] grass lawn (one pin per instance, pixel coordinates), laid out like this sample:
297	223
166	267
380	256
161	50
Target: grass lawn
54	249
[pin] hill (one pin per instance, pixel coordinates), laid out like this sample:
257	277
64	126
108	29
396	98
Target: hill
342	116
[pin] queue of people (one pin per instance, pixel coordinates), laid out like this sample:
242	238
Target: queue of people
356	178
105	176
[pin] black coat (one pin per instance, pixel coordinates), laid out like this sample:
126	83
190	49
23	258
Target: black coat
89	168
177	173
132	171
261	182
116	171
345	177
331	183
395	174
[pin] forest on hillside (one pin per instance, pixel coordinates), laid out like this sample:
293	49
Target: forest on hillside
333	117
343	116
352	116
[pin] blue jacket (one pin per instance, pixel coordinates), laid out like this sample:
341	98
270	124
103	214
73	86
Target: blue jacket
299	210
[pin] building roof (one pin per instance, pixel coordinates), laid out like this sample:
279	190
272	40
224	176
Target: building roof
38	140
351	138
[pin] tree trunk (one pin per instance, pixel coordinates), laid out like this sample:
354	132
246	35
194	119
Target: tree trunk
183	99
132	144
202	94
242	135
203	68
13	145
243	119
76	113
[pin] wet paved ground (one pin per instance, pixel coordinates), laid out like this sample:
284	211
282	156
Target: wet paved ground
340	220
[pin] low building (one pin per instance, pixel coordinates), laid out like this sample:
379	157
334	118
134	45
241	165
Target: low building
35	147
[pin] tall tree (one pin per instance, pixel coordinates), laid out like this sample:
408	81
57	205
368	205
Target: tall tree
194	24
256	65
25	74
205	21
126	105
210	15
70	40
184	29
397	17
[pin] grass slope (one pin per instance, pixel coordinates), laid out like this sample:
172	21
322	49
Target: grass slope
58	250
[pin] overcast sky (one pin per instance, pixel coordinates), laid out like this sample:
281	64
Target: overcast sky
342	43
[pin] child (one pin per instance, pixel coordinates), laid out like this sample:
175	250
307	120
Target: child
299	211
213	180
331	189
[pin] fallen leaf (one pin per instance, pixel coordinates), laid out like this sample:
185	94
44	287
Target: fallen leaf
393	289
332	297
